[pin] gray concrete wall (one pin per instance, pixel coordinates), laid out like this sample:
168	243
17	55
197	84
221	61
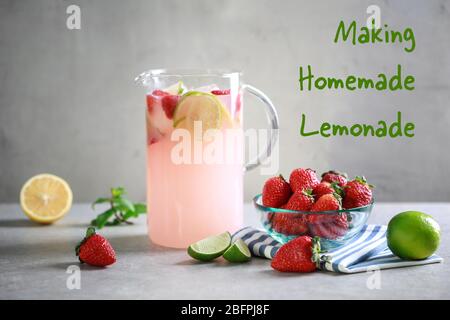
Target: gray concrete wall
68	104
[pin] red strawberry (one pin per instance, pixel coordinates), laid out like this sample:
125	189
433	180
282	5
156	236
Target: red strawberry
225	92
330	226
154	97
159	93
300	201
293	223
276	192
290	224
302	179
150	103
334	176
95	250
358	193
322	189
298	255
238	102
327	202
221	92
169	103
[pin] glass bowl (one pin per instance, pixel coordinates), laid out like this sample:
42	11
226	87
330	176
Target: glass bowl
335	228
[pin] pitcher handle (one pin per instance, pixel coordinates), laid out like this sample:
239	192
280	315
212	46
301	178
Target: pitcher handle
272	117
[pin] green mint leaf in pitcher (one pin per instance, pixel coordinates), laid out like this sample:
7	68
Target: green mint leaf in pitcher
121	209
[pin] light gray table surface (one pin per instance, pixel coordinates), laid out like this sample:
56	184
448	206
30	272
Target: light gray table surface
34	260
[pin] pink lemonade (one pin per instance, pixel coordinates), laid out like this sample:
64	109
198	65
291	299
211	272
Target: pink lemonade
191	200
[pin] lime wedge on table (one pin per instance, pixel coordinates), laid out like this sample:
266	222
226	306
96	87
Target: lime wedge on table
200	106
210	248
238	252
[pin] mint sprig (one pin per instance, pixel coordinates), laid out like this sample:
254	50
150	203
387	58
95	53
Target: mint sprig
121	209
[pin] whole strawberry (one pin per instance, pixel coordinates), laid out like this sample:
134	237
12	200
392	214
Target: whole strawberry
303	179
358	193
293	223
334	176
330	225
290	224
298	255
300	201
322	189
327	202
276	192
95	250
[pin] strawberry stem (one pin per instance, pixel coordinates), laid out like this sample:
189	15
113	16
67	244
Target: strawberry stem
316	251
337	189
90	232
308	192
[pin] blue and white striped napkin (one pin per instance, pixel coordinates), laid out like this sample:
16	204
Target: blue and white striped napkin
366	251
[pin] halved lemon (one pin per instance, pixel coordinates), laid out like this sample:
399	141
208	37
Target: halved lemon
45	198
202	107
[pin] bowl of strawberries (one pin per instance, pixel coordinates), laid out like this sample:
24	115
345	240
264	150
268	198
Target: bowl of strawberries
332	208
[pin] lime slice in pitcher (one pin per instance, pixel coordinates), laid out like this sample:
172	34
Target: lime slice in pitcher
200	106
176	88
210	248
238	252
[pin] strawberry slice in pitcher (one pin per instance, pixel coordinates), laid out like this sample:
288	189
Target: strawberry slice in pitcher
224	96
224	92
169	103
160	106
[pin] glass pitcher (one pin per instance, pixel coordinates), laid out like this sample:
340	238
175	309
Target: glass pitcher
195	152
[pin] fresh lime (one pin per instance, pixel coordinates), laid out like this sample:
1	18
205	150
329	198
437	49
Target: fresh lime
413	235
238	252
210	248
200	106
